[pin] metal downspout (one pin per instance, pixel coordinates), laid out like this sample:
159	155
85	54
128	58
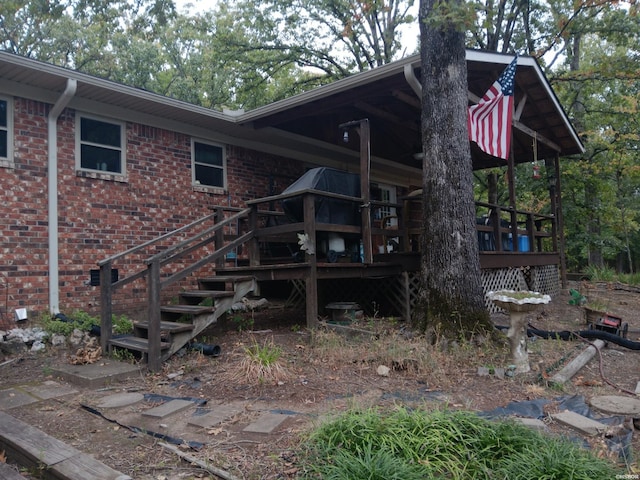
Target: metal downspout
52	175
412	80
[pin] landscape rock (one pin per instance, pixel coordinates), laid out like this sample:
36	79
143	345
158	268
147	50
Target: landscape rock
12	346
58	340
78	338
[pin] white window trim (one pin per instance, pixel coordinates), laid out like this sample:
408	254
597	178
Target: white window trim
8	161
208	188
123	148
392	192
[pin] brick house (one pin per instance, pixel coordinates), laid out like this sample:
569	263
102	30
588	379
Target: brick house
90	168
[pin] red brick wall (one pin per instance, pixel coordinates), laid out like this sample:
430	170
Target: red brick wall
101	217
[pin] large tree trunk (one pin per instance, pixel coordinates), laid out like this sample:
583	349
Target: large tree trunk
451	298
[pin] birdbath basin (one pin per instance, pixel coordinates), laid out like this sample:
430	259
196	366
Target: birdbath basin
518	304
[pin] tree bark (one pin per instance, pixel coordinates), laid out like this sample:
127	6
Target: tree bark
451	299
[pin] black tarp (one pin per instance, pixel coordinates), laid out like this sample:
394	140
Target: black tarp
328	210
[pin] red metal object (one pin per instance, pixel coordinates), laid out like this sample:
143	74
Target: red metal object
611	324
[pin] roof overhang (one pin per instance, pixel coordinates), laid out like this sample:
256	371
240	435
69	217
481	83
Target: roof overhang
387	98
305	126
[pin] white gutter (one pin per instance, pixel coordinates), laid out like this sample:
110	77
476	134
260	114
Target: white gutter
52	174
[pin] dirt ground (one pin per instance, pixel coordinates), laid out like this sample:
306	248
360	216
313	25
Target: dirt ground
325	373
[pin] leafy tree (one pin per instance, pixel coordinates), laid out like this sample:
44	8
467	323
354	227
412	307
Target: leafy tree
280	48
600	86
451	297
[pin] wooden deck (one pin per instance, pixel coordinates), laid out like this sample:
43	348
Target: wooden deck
266	244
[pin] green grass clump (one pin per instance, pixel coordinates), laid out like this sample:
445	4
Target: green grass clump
442	445
84	321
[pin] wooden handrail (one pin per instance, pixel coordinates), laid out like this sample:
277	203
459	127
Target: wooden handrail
154	264
144	245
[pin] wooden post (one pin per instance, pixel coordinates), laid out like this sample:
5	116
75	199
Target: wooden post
512	200
577	363
154	360
254	246
311	282
559	220
365	170
496	217
219	236
106	293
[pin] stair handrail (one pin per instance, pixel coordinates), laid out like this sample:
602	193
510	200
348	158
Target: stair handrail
148	243
152	272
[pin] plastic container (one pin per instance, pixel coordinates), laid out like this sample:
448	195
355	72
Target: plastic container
523	243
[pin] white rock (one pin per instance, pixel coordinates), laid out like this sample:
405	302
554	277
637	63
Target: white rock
383	370
37	346
58	340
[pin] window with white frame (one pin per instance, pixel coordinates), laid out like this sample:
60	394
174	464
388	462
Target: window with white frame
386	194
208	164
100	145
6	132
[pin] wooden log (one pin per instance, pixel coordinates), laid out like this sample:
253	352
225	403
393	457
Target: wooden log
7	472
577	363
33	448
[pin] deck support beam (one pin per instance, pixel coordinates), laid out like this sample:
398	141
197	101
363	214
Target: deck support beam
311	282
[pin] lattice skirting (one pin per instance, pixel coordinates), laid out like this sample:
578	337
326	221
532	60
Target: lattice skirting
543	279
397	296
382	297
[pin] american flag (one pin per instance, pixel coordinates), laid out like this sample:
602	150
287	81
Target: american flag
489	121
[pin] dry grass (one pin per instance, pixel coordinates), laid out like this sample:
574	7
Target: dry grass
400	351
261	364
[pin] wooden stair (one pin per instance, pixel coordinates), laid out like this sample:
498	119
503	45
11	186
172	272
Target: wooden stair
196	310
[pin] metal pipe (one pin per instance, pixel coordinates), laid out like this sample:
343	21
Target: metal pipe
52	174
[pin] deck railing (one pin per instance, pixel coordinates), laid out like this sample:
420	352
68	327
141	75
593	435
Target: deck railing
500	229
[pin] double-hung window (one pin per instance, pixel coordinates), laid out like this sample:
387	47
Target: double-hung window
101	145
208	164
6	132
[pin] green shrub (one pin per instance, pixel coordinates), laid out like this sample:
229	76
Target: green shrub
442	444
85	322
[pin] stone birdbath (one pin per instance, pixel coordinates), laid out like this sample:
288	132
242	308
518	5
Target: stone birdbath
518	304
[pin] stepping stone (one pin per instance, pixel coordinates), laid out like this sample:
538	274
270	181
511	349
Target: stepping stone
49	389
120	400
266	423
11	398
218	415
617	405
579	422
534	423
166	409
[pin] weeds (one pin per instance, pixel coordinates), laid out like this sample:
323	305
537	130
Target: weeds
123	355
242	322
262	364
